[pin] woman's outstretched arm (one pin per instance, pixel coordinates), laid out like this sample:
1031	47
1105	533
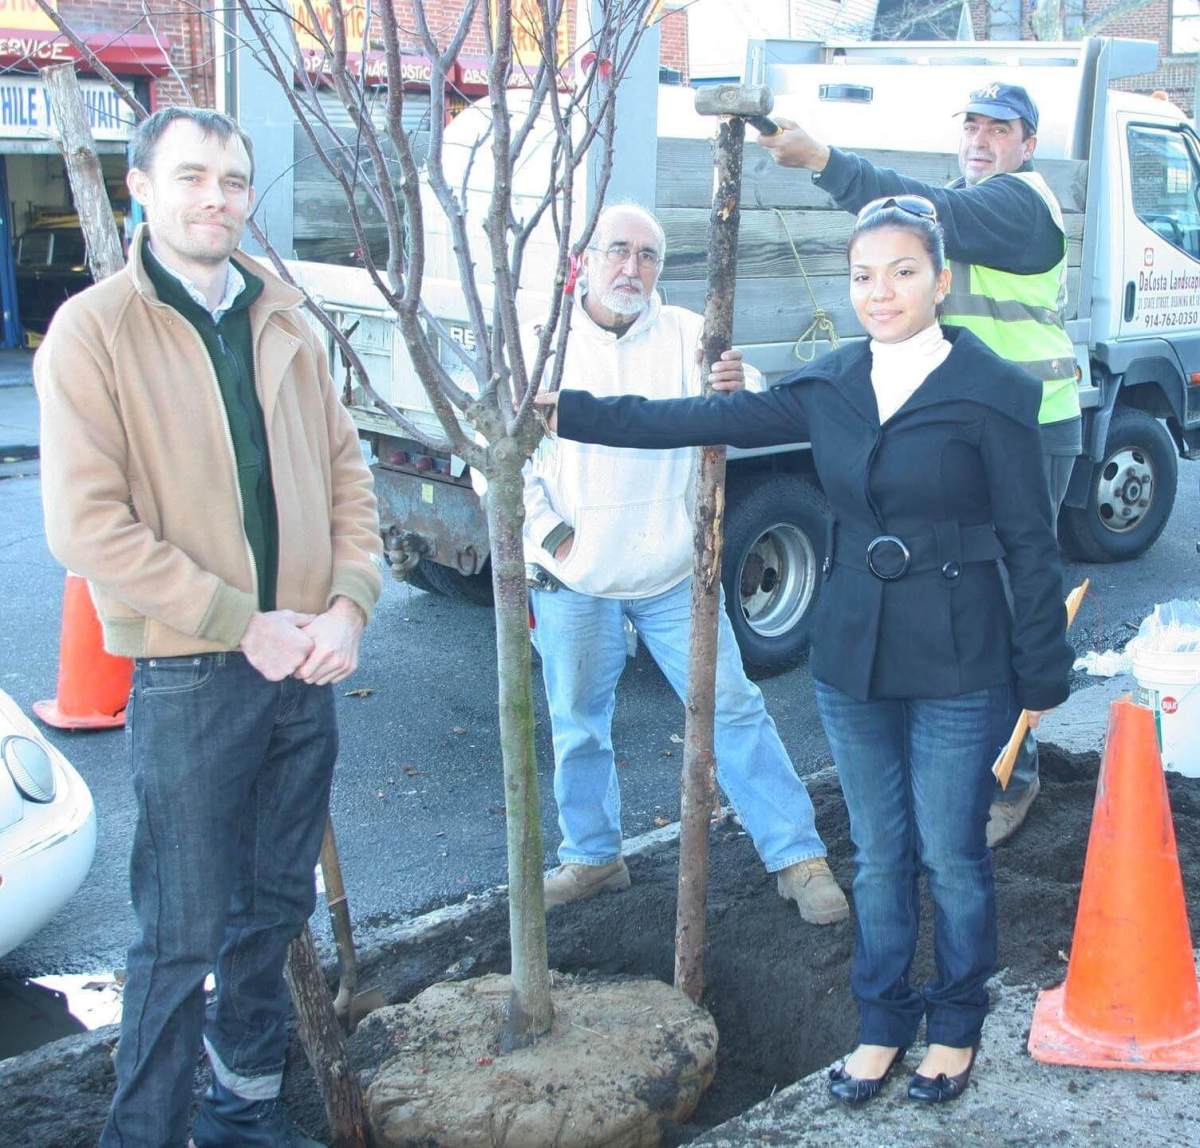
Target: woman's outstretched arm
744	419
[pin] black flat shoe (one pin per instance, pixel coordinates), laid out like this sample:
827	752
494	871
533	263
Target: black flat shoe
855	1090
941	1088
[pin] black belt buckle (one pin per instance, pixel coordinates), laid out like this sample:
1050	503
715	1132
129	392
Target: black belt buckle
887	571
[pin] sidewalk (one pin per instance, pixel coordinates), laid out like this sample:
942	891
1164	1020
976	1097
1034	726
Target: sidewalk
1013	1101
16	368
18	428
18	410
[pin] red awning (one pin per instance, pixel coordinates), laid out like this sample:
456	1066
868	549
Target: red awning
125	53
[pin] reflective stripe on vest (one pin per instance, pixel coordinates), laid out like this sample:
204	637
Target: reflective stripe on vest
1020	317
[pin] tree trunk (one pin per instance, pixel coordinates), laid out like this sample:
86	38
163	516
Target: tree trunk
324	1045
100	234
530	1012
698	790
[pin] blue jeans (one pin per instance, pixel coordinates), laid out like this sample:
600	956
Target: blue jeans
231	775
581	641
917	779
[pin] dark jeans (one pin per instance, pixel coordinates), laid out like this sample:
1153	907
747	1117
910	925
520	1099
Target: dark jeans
1058	465
917	779
231	774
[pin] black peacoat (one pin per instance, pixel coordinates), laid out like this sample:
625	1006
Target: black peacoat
924	507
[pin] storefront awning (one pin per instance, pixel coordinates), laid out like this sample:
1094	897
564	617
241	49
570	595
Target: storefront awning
26	50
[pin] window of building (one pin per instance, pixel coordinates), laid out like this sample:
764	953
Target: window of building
1185	26
1004	20
1072	11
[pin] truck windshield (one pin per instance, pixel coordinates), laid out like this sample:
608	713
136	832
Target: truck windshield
1164	182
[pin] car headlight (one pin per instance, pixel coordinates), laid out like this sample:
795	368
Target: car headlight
29	766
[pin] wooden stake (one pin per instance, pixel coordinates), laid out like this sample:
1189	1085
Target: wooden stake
698	787
324	1045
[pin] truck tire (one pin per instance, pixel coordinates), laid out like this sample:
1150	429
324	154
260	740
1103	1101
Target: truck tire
474	588
1130	495
774	548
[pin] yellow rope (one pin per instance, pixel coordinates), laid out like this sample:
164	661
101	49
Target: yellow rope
822	323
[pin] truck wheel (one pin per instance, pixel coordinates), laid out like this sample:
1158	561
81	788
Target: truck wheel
1130	495
474	588
774	547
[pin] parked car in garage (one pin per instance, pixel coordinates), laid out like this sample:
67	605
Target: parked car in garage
47	828
51	266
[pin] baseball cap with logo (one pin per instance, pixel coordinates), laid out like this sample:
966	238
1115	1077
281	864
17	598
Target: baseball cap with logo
1003	102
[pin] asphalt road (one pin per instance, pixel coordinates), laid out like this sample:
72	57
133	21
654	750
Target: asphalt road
418	797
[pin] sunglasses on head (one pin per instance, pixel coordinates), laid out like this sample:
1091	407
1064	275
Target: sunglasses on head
916	205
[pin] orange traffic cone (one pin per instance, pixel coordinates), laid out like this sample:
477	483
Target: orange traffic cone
1131	999
93	686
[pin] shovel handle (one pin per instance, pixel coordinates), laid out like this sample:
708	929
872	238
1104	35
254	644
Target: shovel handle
331	866
1008	756
339	908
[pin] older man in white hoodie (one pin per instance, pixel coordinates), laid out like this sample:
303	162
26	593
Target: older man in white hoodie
614	527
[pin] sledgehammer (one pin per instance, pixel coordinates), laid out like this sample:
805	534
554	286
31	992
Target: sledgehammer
753	105
735	105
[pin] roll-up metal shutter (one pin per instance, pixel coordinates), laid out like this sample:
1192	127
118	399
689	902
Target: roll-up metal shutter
322	230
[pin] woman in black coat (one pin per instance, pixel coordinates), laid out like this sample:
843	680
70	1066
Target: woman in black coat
926	444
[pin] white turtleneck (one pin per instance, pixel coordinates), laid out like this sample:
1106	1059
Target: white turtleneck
898	369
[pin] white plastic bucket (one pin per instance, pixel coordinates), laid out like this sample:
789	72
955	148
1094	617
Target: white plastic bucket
1170	685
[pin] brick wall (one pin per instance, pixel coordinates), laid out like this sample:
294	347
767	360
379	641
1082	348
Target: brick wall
442	16
673	50
190	35
1150	20
188	32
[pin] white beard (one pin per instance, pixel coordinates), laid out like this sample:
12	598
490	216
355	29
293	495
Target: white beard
622	303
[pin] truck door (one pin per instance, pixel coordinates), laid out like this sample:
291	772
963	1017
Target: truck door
1162	234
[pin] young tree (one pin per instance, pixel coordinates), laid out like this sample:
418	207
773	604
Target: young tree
507	373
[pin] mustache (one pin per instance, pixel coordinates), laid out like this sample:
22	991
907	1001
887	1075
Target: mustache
223	220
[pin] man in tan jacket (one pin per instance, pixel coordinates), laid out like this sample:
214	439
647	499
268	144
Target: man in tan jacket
200	472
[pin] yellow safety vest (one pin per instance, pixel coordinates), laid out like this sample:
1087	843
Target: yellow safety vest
1021	317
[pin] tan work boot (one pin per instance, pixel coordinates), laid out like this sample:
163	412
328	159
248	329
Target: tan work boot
811	885
1005	817
578	882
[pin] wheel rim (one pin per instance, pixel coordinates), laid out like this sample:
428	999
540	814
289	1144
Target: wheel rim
1124	490
776	580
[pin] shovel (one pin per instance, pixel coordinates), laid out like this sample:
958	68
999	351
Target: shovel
1003	766
349	1006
